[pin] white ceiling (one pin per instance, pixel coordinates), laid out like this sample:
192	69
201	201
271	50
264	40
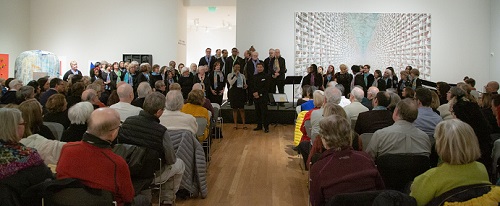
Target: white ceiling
209	2
224	17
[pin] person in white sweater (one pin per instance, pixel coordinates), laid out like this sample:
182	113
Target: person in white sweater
49	150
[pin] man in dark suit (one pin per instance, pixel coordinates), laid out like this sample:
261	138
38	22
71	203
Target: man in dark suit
268	65
259	91
208	60
365	79
74	70
277	72
56	86
250	71
378	118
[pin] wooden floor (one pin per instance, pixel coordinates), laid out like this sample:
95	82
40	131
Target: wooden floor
254	168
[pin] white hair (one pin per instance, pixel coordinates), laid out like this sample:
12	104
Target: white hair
358	93
80	112
333	95
143	89
15	84
174	101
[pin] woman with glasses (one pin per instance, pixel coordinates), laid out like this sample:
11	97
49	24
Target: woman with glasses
21	166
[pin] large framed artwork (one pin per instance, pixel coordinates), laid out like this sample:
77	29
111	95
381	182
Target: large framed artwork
378	39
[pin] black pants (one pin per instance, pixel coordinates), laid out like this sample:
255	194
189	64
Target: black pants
279	83
249	93
261	111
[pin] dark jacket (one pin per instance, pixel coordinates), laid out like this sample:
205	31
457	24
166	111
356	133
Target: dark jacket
211	61
360	80
357	173
260	85
281	62
186	84
74	133
145	130
371	121
59	117
45	96
230	62
69	72
345	80
250	69
9	97
318	80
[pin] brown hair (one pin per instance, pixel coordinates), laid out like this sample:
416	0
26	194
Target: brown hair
56	103
196	97
407	110
32	115
336	132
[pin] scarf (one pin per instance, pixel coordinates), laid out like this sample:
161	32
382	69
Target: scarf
239	81
15	157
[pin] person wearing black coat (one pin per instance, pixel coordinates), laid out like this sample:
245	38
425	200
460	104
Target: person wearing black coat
260	94
251	70
364	79
208	60
313	78
217	84
277	72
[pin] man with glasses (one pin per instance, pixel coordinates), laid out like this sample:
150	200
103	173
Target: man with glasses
56	86
93	162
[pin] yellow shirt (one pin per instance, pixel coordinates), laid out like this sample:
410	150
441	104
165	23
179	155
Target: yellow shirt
197	111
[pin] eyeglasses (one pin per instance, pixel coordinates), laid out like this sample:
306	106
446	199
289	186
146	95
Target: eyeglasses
23	123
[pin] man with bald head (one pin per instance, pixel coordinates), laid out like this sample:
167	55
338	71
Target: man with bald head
123	107
90	95
250	71
93	162
491	87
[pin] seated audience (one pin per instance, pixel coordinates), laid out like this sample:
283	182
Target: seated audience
57	110
352	110
49	150
485	105
10	96
309	104
495	107
207	104
306	95
332	95
407	92
161	87
358	171
78	115
194	107
32	115
305	142
172	118
36	88
426	119
142	91
470	113
75	95
90	95
20	167
457	147
379	117
402	137
145	130
124	108
442	89
24	93
98	167
395	99
56	86
444	109
368	100
435	102
491	87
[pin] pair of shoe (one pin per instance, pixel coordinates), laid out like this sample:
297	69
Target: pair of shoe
266	130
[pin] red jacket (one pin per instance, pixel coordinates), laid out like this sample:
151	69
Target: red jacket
95	165
305	136
344	171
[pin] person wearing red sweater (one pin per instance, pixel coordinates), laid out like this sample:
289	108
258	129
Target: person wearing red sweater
93	162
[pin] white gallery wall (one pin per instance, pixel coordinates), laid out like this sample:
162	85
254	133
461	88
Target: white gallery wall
495	41
14	29
460	30
104	30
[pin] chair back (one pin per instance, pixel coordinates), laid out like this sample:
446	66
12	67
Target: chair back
216	110
398	170
365	139
461	194
308	126
202	125
356	198
57	129
80	196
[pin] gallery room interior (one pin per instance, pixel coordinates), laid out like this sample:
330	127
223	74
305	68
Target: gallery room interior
457	38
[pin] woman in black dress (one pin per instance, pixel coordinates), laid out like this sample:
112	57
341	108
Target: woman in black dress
237	94
329	76
313	78
217	84
202	77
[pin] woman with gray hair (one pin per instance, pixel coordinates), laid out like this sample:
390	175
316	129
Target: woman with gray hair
78	115
142	91
357	173
24	93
